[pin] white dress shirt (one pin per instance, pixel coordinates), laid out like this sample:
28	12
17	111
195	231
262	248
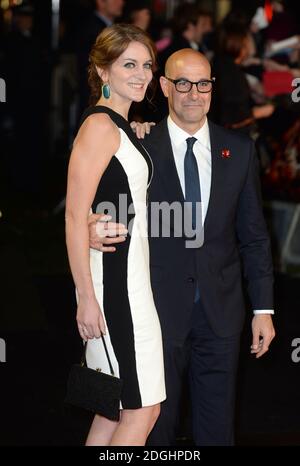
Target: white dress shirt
202	151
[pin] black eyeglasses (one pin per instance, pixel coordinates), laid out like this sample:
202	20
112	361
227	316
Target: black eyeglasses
184	85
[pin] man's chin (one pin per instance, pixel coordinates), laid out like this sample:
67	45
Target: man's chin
198	111
193	117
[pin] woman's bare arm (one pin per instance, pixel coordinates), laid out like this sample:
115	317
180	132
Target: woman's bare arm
95	144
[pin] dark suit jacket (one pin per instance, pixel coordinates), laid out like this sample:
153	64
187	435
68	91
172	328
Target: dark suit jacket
235	239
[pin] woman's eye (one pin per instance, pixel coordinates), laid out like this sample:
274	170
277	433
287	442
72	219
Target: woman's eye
129	65
148	66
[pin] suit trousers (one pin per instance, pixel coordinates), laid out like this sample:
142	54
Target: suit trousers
209	364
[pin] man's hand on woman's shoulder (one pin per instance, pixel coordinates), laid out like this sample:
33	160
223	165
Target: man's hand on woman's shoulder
140	129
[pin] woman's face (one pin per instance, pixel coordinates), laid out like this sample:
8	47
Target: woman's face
129	76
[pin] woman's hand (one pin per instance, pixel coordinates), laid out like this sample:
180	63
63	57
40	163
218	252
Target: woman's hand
140	129
90	319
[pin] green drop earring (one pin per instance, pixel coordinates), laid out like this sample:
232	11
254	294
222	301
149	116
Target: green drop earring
106	91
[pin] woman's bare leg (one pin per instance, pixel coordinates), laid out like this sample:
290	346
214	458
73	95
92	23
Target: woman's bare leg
101	431
135	425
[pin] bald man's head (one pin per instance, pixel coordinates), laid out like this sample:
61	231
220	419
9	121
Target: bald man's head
187	85
183	58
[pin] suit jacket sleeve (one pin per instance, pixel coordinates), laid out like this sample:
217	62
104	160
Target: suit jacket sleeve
253	237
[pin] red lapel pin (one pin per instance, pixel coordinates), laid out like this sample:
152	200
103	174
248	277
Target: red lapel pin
226	153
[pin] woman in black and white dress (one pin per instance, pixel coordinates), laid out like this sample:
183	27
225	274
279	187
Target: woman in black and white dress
108	166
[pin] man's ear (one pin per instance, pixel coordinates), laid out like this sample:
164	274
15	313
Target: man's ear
103	75
164	86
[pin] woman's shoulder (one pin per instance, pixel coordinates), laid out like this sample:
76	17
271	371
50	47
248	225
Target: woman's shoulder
100	122
98	125
99	129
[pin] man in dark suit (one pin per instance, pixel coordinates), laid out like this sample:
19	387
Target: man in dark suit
198	291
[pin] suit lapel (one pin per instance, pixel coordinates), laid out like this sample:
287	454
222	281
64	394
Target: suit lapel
217	176
165	164
166	172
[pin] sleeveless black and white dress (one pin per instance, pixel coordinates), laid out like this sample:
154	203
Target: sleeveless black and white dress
121	279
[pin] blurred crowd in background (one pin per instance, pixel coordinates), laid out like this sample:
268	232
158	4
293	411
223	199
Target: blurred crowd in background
253	48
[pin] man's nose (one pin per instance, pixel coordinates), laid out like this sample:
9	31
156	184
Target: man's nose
194	91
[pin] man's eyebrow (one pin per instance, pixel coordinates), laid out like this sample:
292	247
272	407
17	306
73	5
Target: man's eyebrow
182	78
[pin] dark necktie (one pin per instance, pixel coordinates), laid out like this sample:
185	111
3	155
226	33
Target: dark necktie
192	180
192	188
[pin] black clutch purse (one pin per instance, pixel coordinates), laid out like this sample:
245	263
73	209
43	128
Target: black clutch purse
94	390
